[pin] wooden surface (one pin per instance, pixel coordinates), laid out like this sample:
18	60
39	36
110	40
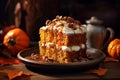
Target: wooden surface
112	73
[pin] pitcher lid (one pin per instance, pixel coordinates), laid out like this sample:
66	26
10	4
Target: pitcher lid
94	20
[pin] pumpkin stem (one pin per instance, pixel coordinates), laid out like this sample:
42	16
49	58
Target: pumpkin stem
12	41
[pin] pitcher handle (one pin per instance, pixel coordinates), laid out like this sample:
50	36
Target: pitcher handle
111	31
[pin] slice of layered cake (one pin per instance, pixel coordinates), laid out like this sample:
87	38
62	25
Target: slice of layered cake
62	40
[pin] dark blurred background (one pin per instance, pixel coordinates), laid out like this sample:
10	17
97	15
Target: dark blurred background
34	13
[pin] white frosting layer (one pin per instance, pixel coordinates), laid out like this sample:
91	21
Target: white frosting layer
77	31
65	29
44	28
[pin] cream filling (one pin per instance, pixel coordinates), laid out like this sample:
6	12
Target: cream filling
73	48
65	48
49	44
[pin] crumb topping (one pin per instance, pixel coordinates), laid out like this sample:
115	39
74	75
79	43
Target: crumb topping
65	24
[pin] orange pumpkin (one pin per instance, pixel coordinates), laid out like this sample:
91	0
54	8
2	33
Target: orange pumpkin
4	30
16	40
114	48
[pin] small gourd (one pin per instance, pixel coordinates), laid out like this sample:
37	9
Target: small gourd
114	48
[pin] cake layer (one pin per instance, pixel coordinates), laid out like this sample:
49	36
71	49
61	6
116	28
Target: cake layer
62	39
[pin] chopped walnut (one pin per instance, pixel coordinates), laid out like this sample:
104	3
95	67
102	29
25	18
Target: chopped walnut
58	17
64	18
70	20
77	22
48	22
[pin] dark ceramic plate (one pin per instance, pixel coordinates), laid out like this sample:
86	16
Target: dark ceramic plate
96	57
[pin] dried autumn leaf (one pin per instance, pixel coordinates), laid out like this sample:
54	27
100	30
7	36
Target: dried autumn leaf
110	59
14	73
99	71
4	61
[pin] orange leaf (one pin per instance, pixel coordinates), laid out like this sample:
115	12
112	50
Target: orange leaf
13	73
110	59
4	61
99	71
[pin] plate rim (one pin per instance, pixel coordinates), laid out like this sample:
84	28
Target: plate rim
24	60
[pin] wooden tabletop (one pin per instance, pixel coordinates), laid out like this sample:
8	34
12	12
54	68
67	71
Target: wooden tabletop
112	73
